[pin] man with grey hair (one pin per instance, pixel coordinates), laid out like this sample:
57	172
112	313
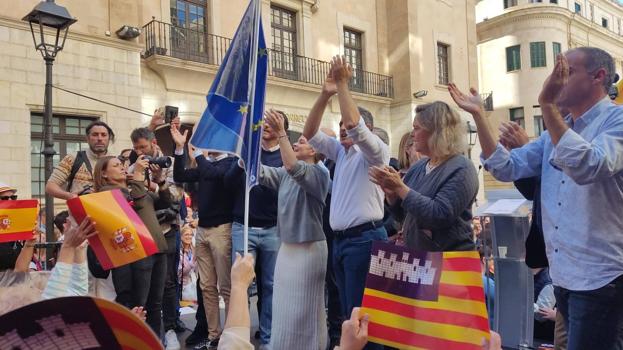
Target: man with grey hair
580	161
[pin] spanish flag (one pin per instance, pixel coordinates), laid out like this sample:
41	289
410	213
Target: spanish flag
18	219
425	300
123	237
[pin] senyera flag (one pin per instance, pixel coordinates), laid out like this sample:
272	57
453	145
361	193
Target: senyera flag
123	237
75	323
425	300
18	219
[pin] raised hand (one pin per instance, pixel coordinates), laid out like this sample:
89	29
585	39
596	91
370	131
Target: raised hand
178	138
157	119
75	236
341	71
354	331
512	135
242	271
329	88
556	81
471	103
275	120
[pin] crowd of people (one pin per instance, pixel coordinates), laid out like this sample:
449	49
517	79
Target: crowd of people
322	202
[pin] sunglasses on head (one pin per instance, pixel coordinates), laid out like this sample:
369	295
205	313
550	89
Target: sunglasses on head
6	198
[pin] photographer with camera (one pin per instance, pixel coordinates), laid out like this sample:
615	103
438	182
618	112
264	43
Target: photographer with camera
160	180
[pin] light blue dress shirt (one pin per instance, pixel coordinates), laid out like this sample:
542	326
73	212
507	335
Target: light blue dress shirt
581	195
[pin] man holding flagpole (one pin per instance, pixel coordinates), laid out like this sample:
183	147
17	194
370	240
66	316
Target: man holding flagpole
232	123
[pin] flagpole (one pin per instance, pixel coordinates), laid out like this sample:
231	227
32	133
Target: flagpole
251	99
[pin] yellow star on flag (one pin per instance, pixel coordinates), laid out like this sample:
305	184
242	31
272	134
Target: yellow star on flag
244	109
262	52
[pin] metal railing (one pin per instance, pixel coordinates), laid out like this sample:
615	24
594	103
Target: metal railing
487	100
165	39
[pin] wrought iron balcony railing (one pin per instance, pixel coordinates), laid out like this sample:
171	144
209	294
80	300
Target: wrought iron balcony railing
165	39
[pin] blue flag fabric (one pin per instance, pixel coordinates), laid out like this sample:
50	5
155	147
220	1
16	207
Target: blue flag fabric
224	125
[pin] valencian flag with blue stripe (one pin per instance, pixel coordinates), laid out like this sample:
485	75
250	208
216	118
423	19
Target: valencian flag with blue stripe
232	121
425	300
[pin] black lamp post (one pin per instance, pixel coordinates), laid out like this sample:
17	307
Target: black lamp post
56	20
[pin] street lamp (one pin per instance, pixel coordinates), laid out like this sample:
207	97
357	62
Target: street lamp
56	20
471	133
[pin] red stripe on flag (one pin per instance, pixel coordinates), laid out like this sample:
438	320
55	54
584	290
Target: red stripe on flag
77	211
15	236
19	204
462	292
149	246
418	340
427	315
461	264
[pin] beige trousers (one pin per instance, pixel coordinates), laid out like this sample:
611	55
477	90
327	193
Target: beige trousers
213	251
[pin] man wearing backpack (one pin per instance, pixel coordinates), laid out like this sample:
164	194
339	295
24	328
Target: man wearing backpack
74	174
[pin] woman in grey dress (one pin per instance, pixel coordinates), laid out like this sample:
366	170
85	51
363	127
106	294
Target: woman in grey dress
436	195
298	319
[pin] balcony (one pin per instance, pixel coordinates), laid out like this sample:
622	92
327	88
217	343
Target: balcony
165	39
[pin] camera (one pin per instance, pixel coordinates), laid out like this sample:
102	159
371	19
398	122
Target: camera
163	162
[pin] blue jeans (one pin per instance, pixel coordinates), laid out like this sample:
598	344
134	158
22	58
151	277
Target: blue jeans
594	319
351	260
264	245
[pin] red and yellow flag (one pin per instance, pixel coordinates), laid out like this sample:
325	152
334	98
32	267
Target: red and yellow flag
123	237
18	219
425	300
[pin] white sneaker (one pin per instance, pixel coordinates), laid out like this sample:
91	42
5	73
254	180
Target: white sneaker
170	339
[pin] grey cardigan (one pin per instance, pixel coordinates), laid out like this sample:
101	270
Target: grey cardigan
437	211
302	193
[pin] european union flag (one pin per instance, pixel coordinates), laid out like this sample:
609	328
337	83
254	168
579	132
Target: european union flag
232	121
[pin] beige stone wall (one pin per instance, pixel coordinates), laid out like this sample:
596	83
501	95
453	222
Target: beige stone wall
399	40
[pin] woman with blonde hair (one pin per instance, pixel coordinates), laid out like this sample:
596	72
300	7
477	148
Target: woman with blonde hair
436	195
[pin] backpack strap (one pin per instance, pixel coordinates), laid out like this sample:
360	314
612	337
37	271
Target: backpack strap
81	158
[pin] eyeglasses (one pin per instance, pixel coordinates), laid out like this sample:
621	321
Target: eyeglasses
6	198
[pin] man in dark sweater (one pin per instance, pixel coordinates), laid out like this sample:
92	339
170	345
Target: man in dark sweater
263	239
213	240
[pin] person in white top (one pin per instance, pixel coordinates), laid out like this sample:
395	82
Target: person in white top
356	203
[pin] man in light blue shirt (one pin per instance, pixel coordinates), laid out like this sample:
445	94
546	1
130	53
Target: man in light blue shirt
580	161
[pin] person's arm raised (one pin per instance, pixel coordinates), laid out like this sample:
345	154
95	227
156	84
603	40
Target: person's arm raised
342	72
312	123
472	103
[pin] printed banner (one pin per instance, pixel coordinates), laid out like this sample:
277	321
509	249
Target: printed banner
425	300
75	323
18	219
123	237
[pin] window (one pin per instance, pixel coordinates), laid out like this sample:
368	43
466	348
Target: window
536	1
283	31
557	49
188	30
513	58
537	54
353	51
578	8
619	26
517	116
68	138
538	125
553	1
604	22
509	3
443	63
